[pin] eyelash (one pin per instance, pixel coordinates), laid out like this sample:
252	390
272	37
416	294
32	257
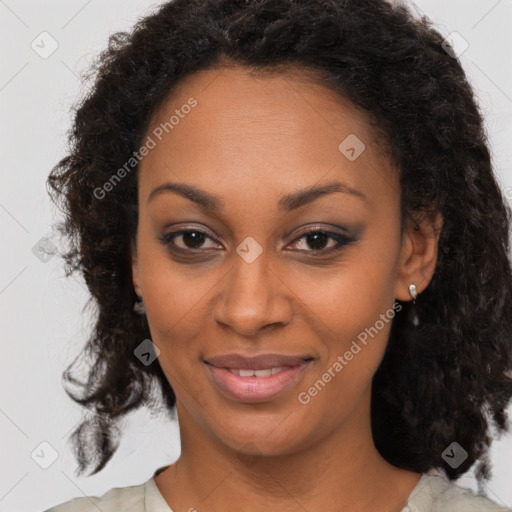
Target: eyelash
342	241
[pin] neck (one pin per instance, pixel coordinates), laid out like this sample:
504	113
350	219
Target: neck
344	470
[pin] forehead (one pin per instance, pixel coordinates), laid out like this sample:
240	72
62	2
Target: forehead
270	100
273	128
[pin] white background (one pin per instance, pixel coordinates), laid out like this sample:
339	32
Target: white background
43	325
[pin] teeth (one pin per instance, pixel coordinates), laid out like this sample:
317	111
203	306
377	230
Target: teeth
257	373
263	373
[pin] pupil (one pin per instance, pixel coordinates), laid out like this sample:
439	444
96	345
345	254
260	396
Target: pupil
319	240
193	239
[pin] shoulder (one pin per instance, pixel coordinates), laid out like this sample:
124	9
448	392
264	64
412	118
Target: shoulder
119	498
436	493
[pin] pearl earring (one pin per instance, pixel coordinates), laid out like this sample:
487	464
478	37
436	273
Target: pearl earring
413	291
138	307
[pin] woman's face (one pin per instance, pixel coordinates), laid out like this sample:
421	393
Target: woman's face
247	166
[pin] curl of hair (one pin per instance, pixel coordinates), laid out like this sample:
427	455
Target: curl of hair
446	379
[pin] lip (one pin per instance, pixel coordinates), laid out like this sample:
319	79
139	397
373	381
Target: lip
255	389
258	362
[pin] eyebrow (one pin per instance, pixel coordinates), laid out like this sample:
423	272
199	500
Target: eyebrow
287	203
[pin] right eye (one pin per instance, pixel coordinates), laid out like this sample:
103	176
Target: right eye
188	240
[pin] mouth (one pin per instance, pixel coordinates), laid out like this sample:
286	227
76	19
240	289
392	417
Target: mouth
256	378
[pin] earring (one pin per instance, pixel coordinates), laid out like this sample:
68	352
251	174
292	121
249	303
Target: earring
413	292
138	306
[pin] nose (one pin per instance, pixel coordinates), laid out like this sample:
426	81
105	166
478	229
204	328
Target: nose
253	297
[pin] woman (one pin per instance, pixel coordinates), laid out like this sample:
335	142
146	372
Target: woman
286	214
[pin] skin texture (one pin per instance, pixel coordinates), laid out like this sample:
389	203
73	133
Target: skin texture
251	140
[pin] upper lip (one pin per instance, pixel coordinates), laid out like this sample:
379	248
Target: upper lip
259	362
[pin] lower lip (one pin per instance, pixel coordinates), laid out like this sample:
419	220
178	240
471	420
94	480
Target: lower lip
255	389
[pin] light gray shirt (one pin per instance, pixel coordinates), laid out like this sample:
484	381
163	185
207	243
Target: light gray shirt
432	493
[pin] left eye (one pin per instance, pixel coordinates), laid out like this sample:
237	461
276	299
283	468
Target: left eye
317	240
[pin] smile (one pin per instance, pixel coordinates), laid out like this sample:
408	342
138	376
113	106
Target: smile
257	373
256	385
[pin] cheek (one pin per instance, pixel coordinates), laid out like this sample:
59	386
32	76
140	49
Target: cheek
169	288
174	297
353	295
354	313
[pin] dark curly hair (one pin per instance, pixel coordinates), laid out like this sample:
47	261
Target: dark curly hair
446	379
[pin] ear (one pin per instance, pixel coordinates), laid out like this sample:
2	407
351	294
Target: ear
418	255
135	270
